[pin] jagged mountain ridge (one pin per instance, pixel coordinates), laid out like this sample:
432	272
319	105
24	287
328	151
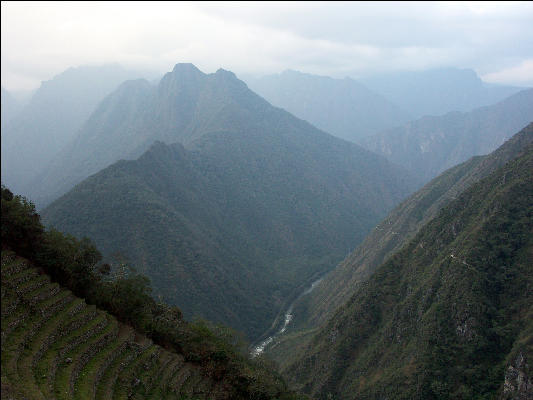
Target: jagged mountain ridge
275	201
430	145
185	105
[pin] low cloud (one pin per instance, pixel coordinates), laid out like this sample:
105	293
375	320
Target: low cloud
521	74
40	40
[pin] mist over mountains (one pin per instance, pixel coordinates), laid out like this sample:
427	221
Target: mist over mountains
430	145
343	107
32	137
437	91
251	203
232	204
10	107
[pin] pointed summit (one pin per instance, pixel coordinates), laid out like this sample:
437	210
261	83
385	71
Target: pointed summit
182	73
184	78
186	68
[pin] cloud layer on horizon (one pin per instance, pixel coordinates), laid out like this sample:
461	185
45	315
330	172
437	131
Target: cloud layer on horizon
40	40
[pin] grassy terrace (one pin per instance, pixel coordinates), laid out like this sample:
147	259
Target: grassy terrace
55	346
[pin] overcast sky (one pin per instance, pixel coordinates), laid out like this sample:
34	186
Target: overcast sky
40	40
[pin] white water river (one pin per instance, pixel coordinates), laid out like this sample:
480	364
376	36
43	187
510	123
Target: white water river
256	350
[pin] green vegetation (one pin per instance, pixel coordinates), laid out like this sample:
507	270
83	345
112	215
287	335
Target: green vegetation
55	345
388	237
449	316
232	226
397	229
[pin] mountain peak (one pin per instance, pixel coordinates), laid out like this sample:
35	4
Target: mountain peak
186	68
225	73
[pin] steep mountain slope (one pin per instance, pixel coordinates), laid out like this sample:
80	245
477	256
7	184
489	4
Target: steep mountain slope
400	226
54	345
51	119
342	107
431	145
185	105
449	315
438	91
73	327
231	227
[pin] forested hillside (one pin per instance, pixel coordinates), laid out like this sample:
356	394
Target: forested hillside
73	327
255	205
246	217
449	315
399	227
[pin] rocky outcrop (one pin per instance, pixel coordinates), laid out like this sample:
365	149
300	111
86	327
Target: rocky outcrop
518	384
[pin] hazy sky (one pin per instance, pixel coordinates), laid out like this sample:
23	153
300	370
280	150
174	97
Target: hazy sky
40	40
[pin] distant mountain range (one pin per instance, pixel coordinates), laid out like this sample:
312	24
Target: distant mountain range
448	315
343	107
355	109
250	205
430	145
437	91
33	135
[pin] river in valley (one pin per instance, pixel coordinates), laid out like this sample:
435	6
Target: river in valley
256	350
